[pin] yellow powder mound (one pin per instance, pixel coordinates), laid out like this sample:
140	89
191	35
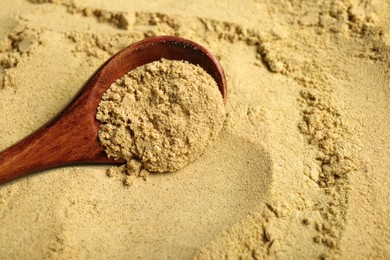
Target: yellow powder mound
165	113
300	170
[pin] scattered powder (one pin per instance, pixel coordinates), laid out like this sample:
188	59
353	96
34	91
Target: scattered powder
165	114
299	171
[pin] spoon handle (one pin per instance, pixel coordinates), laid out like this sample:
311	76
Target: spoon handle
61	142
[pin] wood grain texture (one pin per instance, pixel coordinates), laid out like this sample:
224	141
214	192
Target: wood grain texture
72	136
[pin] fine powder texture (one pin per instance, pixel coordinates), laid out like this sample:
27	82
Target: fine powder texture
300	169
165	113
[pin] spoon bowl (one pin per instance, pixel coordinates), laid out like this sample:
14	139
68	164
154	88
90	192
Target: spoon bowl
72	137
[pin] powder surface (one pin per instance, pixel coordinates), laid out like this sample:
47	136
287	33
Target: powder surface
299	171
164	113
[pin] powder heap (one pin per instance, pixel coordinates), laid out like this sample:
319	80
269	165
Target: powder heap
299	172
163	114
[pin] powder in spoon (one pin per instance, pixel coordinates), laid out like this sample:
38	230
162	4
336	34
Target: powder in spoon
163	114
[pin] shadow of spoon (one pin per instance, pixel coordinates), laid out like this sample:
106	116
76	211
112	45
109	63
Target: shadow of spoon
71	137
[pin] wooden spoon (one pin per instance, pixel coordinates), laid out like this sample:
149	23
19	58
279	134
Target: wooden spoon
72	137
